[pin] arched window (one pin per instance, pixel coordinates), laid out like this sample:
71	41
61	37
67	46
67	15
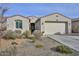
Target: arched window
19	24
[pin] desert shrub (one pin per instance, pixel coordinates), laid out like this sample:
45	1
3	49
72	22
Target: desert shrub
5	53
9	51
33	39
39	46
37	34
27	34
18	36
14	43
63	49
9	35
18	33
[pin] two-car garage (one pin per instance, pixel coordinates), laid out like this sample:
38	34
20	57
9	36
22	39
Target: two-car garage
54	28
53	24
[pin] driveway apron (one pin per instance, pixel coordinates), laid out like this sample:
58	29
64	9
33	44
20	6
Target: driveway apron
69	41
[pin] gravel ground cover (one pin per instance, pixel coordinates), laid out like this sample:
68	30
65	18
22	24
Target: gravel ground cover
27	48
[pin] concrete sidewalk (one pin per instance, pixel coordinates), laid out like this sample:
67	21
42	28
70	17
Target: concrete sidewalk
70	41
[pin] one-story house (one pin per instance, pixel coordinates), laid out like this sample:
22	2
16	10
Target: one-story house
49	24
54	23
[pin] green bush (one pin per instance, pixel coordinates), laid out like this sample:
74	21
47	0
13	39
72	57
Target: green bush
27	34
9	35
38	46
63	49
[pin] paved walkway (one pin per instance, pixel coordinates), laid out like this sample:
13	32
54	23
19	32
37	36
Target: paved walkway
70	41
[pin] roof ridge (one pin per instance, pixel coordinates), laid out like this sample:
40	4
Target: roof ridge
18	15
55	13
32	16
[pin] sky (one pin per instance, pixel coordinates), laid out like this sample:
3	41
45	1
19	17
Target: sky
41	9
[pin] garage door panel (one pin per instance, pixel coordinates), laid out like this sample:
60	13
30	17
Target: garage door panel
52	28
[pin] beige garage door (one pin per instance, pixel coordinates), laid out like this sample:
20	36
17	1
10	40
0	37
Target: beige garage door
52	28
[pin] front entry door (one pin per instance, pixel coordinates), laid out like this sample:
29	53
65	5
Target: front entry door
32	27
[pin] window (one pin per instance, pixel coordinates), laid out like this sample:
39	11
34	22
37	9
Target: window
19	24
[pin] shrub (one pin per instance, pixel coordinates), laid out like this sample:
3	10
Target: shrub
9	51
63	49
19	36
27	34
18	33
5	53
39	46
9	35
14	43
37	34
33	39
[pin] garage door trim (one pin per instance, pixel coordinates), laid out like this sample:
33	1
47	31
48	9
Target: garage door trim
66	24
55	22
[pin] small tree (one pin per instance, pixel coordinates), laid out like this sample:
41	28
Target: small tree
2	12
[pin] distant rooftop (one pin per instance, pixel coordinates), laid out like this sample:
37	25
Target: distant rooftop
75	19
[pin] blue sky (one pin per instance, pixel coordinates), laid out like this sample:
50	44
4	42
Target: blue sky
41	9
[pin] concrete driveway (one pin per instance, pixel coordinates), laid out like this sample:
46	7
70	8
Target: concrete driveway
70	41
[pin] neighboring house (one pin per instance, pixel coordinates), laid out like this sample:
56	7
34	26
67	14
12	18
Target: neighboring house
75	25
53	24
18	22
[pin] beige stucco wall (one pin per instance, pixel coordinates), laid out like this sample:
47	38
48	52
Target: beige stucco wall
32	19
11	24
38	25
55	17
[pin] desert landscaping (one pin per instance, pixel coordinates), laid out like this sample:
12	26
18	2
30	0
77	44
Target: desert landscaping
31	45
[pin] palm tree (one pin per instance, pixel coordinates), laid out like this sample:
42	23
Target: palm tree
2	12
